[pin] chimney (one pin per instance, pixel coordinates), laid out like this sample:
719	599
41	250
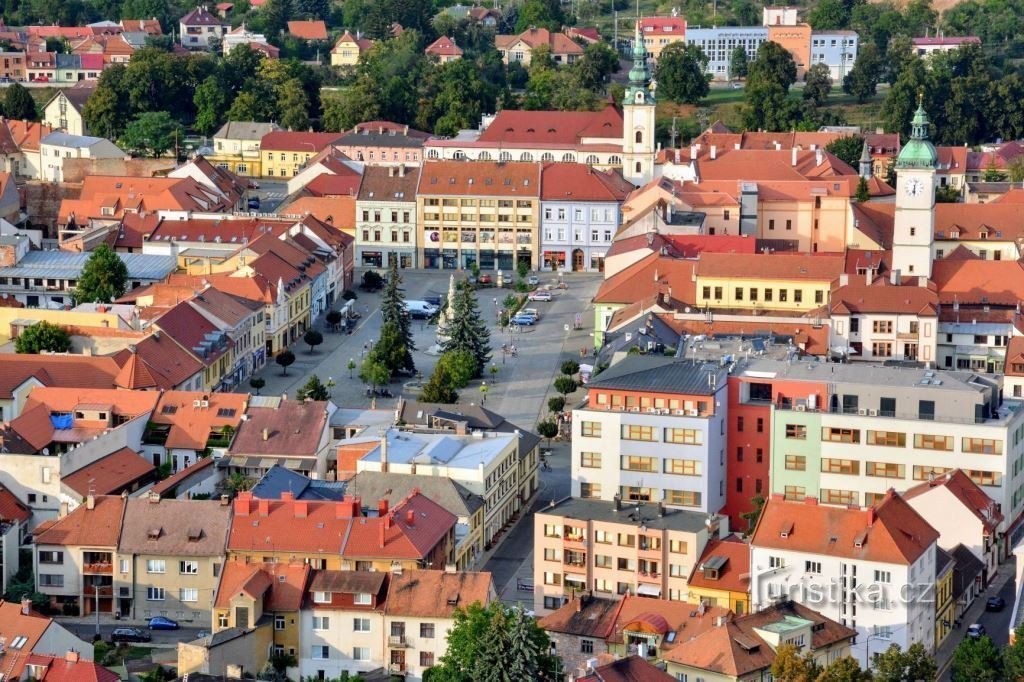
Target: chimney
382	507
264	507
288	496
819	156
301	509
792	159
895	278
844	279
391	171
579	604
266	434
693	152
225	500
71	656
872	515
661	510
90	501
401	171
410	518
714	152
243	504
26	606
617	502
384	453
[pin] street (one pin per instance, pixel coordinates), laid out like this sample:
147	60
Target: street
271	193
85	628
997	624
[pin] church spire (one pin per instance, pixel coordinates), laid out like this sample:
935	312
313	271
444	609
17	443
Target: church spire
865	162
639	91
918	152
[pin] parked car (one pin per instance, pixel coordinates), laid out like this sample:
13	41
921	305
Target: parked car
995	604
533	280
524	320
737	85
533	312
485	281
540	295
420	310
161	623
433	299
976	631
129	635
254	203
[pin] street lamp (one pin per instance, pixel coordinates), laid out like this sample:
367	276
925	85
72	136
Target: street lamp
867	647
483	392
330	384
351	366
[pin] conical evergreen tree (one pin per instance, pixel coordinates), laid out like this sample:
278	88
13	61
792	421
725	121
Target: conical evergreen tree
392	309
467	331
391	351
494	656
523	657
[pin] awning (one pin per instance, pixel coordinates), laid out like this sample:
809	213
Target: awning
648	590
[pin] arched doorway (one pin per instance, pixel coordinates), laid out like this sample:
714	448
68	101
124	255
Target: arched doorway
577	260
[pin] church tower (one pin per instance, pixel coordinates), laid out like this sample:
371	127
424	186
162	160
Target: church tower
914	222
638	118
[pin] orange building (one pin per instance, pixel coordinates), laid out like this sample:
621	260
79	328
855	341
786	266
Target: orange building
797	41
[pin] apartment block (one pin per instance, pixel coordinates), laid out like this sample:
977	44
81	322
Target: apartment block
653	430
616	549
386	217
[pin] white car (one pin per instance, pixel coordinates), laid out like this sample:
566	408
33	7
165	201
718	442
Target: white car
540	295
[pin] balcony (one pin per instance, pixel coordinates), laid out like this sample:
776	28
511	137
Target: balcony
102	568
576	539
908	336
648	576
397	642
101	590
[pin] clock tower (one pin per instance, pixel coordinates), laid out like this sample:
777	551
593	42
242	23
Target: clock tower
914	222
638	107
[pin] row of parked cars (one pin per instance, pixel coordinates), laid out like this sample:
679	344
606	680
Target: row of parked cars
127	634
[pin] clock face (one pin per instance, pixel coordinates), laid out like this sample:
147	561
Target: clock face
914	187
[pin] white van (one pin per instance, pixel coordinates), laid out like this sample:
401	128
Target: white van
420	310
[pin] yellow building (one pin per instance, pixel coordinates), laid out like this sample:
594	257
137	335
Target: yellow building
348	48
660	32
766	281
722	576
285	152
236	147
945	604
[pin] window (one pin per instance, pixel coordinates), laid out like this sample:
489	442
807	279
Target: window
427	630
796	463
322	622
222	620
426	659
798	295
590	429
812	567
625	540
156	566
739	294
833	496
776	562
795	492
926	441
124	565
882	326
678	546
986	478
360	625
46	580
819	296
883	576
320	652
552	530
796	431
586	646
739	424
884	469
982	446
881	349
188	594
360	599
928	473
760	424
683	467
590	490
783	295
636	463
279	622
887	439
188	567
53	558
638	432
683	498
684	436
835	435
321	597
552	578
590	460
636	494
831	465
154	594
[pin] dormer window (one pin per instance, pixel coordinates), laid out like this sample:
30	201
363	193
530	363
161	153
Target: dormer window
323	598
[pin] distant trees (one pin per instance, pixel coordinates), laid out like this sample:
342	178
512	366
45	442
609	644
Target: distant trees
104	277
152	133
848	148
42	337
862	80
18	103
769	78
682	73
899	665
817	84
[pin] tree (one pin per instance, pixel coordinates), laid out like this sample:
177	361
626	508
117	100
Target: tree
598	62
312	338
18	103
239	482
992	173
314	389
565	384
104	277
570	367
846	669
976	660
439	388
547	428
276	14
42	336
390	350
829	15
152	133
774	64
947	194
863	192
466	330
491	639
257	383
768	80
896	665
392	310
540	13
790	666
460	366
751	517
210	101
556	403
375	374
848	148
738	62
293	104
246	107
285	358
682	73
862	80
333	318
817	84
1013	656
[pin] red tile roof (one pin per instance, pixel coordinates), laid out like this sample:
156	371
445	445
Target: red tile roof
692	246
663	26
134	374
292	429
997	221
167	361
347	37
192	331
1014	356
553	127
979	281
651	275
167	485
444	47
967	492
63	371
630	669
437	593
69	668
14	623
883	297
891	532
535	37
579	182
11	508
280	586
480	178
417	526
99	527
111	474
944	40
308	30
192	424
822	267
734	576
297	141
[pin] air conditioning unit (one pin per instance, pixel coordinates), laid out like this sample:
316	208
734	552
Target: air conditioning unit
204	403
692	413
197	403
862	411
651	410
800	408
872	413
679	413
634	409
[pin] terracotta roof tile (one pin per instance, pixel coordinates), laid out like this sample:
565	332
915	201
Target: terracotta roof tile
553	127
167	361
734	575
979	281
629	669
967	492
308	30
892	532
67	371
293	429
997	221
190	425
280	586
175	527
579	182
339	211
134	374
99	527
169	484
651	275
111	474
663	26
69	668
297	141
820	267
11	508
444	47
13	623
480	178
384	183
883	297
437	593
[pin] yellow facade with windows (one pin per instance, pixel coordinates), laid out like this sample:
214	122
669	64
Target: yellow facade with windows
745	293
737	602
945	605
283	163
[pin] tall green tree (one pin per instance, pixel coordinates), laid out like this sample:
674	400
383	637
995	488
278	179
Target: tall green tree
769	78
829	15
774	64
862	80
18	103
106	110
682	73
391	349
211	105
848	148
539	14
790	666
152	133
275	15
599	61
845	669
976	660
393	311
467	331
460	365
896	665
104	277
314	389
293	105
817	84
738	62
42	336
440	387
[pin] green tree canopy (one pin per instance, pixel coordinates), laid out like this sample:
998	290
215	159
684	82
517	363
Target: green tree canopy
460	366
42	336
976	660
392	311
440	388
682	73
466	330
211	105
293	105
738	62
285	359
790	666
18	103
862	80
848	148
152	133
104	277
817	84
896	665
314	389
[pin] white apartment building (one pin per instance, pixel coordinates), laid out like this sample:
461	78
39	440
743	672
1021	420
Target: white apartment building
386	217
56	147
653	430
870	569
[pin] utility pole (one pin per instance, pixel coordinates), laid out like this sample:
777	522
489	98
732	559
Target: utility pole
672	133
